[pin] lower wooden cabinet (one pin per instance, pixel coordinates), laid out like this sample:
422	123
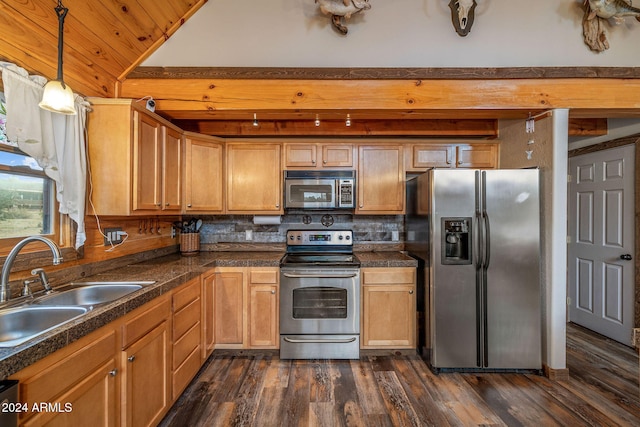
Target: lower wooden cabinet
145	365
388	308
186	336
264	317
229	300
81	382
208	314
246	308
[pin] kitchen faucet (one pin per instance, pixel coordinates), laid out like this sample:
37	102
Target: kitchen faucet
5	290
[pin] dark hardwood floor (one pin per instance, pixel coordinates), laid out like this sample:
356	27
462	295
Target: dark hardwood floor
262	390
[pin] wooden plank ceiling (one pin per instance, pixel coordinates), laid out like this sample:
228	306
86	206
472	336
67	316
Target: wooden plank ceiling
106	41
103	40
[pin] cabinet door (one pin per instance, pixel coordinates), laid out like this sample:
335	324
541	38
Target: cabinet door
254	180
147	164
208	315
380	180
388	316
263	316
91	402
229	305
203	176
426	156
300	155
171	170
337	156
145	375
483	156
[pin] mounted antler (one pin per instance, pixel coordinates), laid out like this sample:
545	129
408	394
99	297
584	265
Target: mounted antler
462	15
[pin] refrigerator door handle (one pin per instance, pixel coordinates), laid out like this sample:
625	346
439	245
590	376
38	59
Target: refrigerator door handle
486	250
478	235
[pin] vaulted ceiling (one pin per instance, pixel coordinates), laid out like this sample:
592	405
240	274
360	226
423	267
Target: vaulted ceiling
103	40
106	41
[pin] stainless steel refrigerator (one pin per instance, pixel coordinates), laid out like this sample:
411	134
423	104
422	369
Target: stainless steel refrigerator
477	234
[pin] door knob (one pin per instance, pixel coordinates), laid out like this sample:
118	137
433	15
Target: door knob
626	257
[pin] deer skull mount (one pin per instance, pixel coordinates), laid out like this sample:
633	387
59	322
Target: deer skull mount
462	15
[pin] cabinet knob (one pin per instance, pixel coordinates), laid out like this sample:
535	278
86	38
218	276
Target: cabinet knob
158	204
361	206
273	292
448	162
189	205
410	292
324	161
166	204
113	372
278	206
313	162
459	162
131	358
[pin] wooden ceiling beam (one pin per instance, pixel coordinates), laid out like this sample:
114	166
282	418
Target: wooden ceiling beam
428	128
526	95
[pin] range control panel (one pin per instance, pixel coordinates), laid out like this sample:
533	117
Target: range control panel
320	237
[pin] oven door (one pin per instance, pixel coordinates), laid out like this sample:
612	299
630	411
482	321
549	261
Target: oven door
310	193
319	301
319	313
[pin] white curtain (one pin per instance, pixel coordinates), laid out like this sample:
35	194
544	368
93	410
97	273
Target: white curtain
55	141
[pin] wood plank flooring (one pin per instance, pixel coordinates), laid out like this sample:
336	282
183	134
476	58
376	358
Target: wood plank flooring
262	390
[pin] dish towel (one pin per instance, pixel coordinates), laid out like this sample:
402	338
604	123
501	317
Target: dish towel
56	141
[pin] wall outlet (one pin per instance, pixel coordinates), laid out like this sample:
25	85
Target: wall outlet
248	235
113	236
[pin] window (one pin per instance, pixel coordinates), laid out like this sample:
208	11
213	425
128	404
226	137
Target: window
26	196
26	193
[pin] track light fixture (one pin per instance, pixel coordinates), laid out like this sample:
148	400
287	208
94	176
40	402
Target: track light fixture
317	122
255	120
58	97
348	121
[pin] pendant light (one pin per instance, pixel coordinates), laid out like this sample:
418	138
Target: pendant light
58	97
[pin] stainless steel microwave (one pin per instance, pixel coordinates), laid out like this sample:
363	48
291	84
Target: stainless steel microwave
319	189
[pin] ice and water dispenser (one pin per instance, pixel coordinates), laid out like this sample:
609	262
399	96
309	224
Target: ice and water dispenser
456	241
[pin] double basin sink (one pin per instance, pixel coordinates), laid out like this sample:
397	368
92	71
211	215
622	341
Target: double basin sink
33	318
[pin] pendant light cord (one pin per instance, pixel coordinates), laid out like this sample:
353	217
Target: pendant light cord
61	11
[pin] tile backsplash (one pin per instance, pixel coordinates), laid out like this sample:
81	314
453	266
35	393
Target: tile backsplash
366	228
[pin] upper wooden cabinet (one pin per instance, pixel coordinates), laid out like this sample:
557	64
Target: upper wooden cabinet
423	156
204	174
381	179
135	158
254	178
311	156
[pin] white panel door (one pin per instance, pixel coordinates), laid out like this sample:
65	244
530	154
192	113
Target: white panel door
601	242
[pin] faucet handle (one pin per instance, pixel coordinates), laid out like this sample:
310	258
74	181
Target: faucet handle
26	290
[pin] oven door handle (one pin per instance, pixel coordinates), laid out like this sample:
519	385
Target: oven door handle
320	276
320	341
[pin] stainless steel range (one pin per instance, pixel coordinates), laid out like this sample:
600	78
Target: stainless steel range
320	296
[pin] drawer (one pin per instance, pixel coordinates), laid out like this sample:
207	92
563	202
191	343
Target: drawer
264	276
184	374
185	345
186	294
386	276
184	319
145	322
52	381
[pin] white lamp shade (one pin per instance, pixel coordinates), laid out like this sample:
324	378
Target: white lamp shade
58	98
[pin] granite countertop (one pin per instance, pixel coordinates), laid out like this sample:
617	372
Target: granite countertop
168	272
